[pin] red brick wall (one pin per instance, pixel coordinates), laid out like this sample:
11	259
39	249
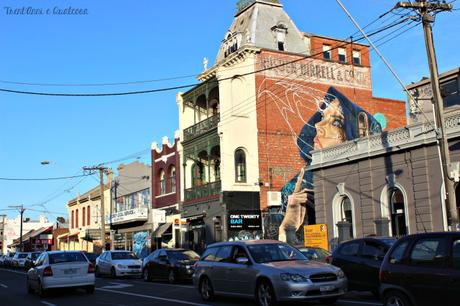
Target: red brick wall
279	157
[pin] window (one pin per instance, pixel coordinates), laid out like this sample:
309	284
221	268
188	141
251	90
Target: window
280	31
73	219
83	215
363	124
240	166
172	176
356	57
88	221
350	249
197	174
239	252
347	212
280	45
429	252
456	254
162	182
342	55
76	218
398	213
373	250
209	254
224	254
327	52
397	255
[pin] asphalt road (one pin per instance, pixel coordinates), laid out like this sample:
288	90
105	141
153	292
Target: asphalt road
124	292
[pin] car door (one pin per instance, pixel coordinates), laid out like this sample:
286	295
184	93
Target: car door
371	254
33	273
426	276
347	258
162	265
106	263
241	277
454	271
221	265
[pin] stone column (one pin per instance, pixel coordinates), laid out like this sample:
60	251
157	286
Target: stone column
382	227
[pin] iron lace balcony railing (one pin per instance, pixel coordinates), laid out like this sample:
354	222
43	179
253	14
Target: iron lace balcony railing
201	127
203	191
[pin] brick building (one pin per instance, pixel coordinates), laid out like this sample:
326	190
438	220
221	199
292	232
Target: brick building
273	95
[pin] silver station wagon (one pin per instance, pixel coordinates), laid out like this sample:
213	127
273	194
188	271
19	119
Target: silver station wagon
267	270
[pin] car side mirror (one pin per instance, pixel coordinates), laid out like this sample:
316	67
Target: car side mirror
242	260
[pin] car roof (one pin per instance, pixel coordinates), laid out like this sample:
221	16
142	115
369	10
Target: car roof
63	251
246	242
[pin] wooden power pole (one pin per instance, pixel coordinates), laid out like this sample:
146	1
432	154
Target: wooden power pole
427	11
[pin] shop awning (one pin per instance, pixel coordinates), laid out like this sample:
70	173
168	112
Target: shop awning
161	229
63	236
40	231
74	235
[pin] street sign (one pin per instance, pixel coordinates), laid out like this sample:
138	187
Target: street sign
316	236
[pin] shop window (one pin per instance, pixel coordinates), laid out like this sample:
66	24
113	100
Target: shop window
356	57
240	166
327	54
342	55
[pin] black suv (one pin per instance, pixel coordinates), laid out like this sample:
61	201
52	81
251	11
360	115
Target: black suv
422	269
360	260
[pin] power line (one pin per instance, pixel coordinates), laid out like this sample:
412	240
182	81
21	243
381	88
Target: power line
44	179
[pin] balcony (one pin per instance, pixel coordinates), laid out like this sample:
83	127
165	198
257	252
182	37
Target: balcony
201	128
203	192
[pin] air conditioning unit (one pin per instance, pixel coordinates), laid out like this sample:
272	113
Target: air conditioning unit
273	198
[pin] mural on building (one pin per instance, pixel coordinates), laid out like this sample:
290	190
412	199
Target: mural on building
335	119
245	235
140	244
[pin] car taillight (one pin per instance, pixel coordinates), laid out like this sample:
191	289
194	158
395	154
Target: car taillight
90	268
48	271
381	275
329	259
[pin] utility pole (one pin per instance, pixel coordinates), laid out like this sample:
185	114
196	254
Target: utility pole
21	211
101	169
427	11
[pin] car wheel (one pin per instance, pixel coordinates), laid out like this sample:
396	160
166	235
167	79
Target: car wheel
329	301
171	277
89	289
41	292
113	273
396	298
146	275
265	295
206	291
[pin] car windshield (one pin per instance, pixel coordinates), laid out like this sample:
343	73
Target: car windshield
35	255
183	255
388	242
314	253
123	255
23	255
56	258
263	253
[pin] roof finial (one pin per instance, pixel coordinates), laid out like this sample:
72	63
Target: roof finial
205	63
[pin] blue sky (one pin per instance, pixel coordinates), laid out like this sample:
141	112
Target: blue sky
125	41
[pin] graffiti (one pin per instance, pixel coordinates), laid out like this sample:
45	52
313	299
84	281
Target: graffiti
140	244
245	235
328	118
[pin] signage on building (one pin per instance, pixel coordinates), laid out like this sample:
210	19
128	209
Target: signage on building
316	236
46	236
130	215
318	71
245	220
159	215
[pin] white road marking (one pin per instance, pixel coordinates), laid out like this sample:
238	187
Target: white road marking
46	303
117	286
153	297
360	303
3	285
12	271
163	284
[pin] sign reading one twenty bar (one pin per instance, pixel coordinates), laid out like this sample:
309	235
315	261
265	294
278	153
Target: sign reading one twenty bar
244	220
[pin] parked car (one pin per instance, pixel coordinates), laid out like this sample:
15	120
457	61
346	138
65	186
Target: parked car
360	260
118	263
267	270
19	259
170	264
8	259
91	257
30	259
422	269
58	269
316	254
2	260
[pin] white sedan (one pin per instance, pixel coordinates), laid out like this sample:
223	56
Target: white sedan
59	269
118	263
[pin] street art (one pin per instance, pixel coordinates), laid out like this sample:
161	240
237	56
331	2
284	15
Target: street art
335	120
140	244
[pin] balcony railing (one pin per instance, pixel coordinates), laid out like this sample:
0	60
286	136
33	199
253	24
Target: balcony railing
201	127
203	192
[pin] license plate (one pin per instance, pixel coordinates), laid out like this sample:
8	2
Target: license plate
326	288
70	271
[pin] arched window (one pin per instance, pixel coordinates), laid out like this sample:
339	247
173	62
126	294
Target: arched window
240	166
172	177
88	222
73	220
162	182
363	126
346	211
76	218
398	213
83	215
197	174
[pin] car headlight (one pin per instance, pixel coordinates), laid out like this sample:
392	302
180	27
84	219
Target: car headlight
340	274
121	266
293	277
